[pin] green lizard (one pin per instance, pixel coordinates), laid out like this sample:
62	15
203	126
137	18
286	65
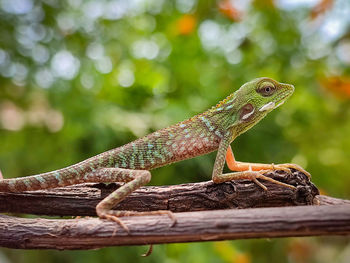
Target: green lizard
212	130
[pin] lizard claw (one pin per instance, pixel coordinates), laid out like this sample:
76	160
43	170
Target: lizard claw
149	251
117	220
280	167
260	175
289	166
172	217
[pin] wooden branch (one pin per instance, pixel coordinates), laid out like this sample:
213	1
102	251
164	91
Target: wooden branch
327	200
191	226
82	199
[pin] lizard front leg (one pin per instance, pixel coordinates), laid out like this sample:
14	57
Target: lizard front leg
234	165
248	173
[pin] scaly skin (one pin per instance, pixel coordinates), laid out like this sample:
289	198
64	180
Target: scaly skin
212	130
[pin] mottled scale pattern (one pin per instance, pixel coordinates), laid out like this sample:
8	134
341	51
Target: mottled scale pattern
182	141
196	136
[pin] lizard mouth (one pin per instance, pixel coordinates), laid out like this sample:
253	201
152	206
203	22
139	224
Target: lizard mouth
279	104
281	99
268	106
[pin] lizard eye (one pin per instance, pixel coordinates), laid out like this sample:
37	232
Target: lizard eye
267	89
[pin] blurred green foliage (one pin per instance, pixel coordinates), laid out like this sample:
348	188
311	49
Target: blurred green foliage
80	77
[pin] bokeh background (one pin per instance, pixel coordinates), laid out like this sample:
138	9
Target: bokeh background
80	77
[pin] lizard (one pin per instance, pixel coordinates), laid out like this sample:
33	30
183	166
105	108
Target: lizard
214	129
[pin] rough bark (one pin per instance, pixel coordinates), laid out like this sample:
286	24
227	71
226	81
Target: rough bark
300	218
81	200
191	226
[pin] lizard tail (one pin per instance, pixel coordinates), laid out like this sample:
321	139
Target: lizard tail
70	175
29	183
66	176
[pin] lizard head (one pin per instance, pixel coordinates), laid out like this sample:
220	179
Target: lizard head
255	99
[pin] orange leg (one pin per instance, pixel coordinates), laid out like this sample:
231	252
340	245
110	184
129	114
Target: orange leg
234	165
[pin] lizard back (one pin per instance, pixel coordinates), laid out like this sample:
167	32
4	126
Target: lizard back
187	139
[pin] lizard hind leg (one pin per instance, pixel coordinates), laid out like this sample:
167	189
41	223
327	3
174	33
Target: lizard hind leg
133	179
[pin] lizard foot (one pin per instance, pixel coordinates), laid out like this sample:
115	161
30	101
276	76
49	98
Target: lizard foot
114	215
254	175
260	175
117	220
157	212
289	166
281	168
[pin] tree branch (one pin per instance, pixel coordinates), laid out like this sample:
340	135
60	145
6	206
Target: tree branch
255	222
82	199
191	226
